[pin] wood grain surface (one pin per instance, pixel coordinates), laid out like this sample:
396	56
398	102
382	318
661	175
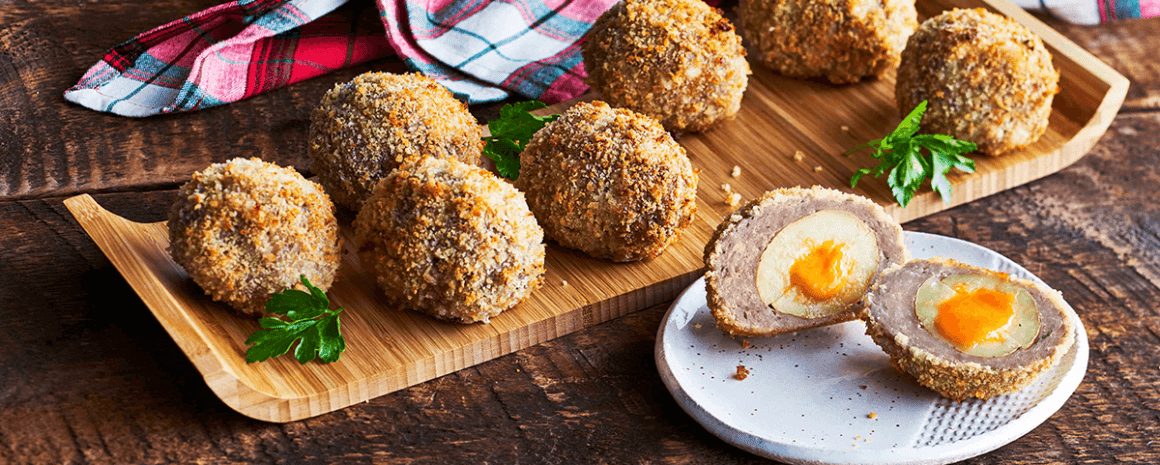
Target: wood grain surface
53	147
90	377
778	117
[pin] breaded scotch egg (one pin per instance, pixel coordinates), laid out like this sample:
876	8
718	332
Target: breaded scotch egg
797	258
965	331
246	229
451	240
678	61
609	182
364	128
840	40
988	80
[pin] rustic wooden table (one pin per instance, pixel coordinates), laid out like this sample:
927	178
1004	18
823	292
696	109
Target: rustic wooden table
88	376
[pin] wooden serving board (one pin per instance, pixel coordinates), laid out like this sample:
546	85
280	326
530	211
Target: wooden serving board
389	349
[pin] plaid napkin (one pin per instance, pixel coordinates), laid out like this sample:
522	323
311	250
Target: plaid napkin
1094	11
482	50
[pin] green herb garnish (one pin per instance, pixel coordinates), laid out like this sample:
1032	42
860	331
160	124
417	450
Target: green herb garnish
311	321
902	151
510	134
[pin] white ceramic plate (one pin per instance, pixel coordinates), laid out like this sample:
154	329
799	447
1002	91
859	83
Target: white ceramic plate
830	395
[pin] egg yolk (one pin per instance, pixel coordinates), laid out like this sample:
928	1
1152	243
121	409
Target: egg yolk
971	316
819	273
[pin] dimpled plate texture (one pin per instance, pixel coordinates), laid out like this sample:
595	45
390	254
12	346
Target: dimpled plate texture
830	395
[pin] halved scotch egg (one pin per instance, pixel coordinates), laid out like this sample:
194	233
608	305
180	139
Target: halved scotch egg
979	314
797	258
965	331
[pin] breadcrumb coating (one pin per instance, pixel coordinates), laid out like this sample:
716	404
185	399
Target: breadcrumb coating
988	80
451	240
678	61
364	128
609	182
840	40
246	229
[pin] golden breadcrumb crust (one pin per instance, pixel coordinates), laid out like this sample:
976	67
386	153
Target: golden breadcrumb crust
678	61
958	380
727	313
364	128
988	80
840	40
451	240
609	182
246	229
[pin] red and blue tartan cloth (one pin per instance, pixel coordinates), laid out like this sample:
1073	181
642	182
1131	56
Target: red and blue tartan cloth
1094	11
479	49
482	50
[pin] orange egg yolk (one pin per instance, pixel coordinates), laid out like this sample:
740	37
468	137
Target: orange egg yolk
971	316
819	273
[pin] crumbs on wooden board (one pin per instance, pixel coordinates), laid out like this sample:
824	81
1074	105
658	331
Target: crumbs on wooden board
731	198
799	155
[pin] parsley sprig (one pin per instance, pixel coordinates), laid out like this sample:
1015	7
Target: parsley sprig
901	152
311	321
510	134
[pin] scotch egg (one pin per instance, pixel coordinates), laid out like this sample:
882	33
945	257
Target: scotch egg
797	258
965	331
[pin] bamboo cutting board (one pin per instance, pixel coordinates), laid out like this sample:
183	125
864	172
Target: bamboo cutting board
390	349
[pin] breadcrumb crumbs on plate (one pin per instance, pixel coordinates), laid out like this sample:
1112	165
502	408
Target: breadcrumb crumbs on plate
745	343
872	415
742	373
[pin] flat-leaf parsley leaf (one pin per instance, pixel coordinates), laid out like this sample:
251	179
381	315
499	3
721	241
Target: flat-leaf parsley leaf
510	134
901	152
311	321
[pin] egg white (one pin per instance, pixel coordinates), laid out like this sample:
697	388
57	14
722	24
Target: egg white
1019	332
859	262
